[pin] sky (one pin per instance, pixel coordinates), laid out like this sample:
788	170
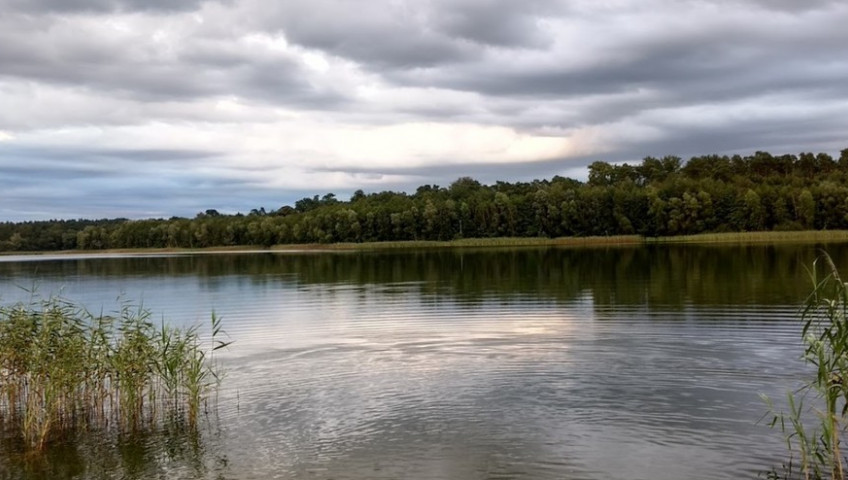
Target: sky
160	108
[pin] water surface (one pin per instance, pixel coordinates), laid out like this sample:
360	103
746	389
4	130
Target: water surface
613	363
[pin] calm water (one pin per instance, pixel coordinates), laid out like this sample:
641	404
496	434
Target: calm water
636	363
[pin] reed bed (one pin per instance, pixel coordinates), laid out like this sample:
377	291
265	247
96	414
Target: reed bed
471	243
63	369
805	236
808	236
815	427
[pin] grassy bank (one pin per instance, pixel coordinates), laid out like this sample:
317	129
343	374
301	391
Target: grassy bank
808	236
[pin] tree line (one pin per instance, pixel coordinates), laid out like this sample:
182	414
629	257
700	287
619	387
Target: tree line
658	197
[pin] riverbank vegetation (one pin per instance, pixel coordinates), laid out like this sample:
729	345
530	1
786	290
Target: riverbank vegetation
745	238
725	238
816	424
63	369
660	197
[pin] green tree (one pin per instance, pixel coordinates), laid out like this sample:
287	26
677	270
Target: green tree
805	212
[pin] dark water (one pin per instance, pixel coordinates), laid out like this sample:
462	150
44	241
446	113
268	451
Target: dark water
623	363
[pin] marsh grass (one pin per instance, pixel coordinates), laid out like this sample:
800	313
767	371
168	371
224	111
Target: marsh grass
64	369
816	424
808	236
744	238
471	243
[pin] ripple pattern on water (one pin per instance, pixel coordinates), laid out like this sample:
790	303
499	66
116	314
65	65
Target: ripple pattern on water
431	378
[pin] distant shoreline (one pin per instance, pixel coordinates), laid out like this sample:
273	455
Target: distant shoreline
802	237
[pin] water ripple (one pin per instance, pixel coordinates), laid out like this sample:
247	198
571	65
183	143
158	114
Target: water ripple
414	379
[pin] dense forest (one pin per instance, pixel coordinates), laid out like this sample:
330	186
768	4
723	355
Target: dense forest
659	197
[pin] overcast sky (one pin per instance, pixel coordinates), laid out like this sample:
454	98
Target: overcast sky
154	108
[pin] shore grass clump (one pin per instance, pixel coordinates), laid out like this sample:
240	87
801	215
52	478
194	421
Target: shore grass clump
816	426
63	368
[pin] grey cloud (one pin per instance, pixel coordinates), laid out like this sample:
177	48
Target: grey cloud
410	35
501	23
794	6
666	61
43	183
443	175
682	68
199	68
58	164
371	33
446	33
787	133
504	52
153	154
100	6
776	135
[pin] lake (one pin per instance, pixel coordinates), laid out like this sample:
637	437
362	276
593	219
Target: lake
543	363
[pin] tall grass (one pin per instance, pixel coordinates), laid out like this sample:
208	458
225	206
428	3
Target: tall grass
809	236
471	243
816	424
806	236
63	369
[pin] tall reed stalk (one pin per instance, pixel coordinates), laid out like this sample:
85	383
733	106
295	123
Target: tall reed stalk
815	447
63	368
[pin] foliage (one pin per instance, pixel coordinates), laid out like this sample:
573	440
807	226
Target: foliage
816	452
63	368
659	197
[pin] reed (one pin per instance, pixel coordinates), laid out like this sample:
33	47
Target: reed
743	238
808	236
471	243
63	369
815	447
